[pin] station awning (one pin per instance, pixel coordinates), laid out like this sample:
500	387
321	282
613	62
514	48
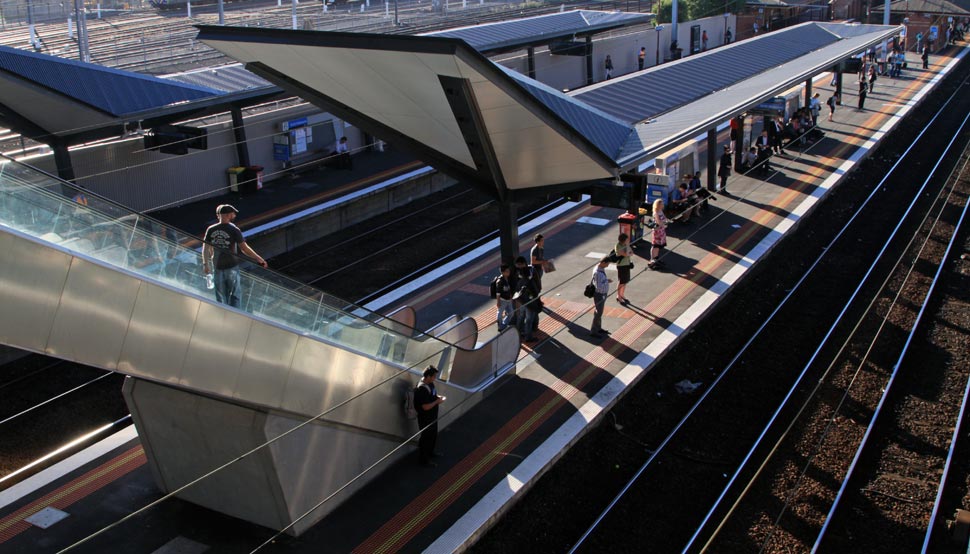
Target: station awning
483	123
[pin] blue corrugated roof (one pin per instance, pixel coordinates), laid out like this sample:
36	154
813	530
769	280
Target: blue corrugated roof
604	131
112	91
644	95
508	34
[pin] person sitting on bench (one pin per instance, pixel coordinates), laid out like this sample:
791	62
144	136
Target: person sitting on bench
342	153
749	159
684	203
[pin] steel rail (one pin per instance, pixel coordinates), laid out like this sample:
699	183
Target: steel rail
700	402
889	385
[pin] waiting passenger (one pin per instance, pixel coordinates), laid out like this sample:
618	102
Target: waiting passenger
342	153
623	266
501	291
659	238
426	402
526	299
724	167
223	242
749	159
602	284
683	203
537	258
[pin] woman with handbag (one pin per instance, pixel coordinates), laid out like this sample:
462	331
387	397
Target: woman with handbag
659	234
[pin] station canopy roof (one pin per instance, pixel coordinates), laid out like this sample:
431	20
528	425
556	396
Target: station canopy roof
530	31
46	97
496	128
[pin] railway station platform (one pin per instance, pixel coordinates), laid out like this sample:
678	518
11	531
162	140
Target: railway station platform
563	383
286	201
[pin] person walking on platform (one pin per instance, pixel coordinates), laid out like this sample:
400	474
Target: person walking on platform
501	291
223	242
872	78
659	238
703	41
832	102
602	284
641	57
724	170
727	36
623	267
608	64
426	402
537	258
925	56
863	91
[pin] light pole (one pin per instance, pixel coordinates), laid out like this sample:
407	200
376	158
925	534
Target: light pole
658	28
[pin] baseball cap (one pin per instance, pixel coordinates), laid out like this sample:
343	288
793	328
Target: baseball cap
226	209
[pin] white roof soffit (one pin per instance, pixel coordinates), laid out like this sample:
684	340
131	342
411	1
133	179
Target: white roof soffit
679	125
491	132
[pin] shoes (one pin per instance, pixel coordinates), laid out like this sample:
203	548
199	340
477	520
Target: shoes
530	338
622	300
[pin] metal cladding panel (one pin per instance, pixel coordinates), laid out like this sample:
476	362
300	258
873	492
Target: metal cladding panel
529	30
215	350
158	335
31	282
644	95
113	91
322	376
265	365
398	89
92	318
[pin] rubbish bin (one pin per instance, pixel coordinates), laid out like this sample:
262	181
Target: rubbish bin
252	178
234	177
630	225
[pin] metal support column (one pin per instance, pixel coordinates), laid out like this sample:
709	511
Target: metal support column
508	230
712	159
531	55
239	132
589	60
62	159
808	91
838	84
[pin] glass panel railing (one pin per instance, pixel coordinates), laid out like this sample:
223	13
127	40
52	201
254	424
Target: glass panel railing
45	207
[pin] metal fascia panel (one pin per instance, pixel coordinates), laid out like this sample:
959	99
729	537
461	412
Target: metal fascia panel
158	334
32	280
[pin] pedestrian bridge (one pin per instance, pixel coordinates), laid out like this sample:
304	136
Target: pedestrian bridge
90	281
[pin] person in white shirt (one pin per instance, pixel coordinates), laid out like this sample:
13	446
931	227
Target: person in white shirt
602	284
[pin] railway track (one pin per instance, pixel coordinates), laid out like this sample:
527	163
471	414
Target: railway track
651	479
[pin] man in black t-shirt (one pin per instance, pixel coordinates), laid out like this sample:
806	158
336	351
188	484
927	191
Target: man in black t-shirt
223	242
426	402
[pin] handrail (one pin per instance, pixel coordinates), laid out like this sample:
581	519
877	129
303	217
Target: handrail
35	204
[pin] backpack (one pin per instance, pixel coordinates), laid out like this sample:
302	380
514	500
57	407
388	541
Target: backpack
613	256
410	410
493	287
590	290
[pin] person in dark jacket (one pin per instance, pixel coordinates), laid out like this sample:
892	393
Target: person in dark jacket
426	402
724	169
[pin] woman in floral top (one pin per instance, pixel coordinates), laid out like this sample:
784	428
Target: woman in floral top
659	234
